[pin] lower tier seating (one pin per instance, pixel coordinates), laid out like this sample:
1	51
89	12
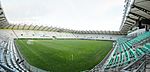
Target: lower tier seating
124	52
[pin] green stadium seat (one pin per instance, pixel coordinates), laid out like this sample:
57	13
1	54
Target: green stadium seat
145	50
124	47
147	45
126	52
139	51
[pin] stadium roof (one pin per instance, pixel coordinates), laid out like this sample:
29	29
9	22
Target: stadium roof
134	11
3	20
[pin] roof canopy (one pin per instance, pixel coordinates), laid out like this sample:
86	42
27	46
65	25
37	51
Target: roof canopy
134	11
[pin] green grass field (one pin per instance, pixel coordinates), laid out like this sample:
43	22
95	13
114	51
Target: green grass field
64	55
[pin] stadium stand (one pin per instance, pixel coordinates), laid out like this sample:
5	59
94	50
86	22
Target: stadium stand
124	52
45	34
130	52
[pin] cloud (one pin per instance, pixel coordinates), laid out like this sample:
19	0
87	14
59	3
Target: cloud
75	14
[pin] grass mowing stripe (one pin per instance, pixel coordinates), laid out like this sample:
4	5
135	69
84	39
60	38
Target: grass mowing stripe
65	55
34	54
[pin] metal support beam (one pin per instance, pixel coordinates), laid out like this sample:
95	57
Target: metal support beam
140	1
55	29
136	15
34	27
130	21
128	24
2	19
51	29
18	27
48	29
24	27
3	25
29	26
44	28
1	13
39	27
142	9
13	26
131	18
8	26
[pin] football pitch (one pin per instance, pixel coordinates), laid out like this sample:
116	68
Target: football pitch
64	55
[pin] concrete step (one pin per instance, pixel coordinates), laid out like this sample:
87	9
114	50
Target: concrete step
148	68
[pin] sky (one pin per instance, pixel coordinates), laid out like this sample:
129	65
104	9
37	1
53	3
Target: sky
70	14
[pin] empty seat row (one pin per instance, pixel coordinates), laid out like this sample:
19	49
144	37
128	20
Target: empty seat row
8	57
124	53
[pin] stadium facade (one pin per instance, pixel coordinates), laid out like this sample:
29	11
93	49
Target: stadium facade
130	52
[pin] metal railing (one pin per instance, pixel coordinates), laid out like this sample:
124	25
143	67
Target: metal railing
6	68
99	67
139	65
